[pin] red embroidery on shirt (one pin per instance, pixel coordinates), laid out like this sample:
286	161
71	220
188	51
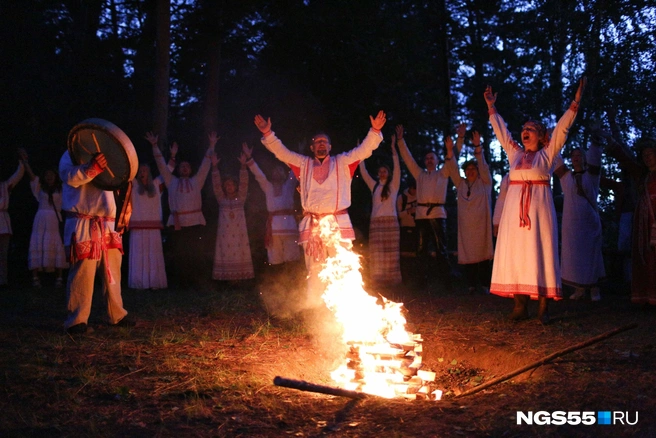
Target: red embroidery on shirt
526	162
320	169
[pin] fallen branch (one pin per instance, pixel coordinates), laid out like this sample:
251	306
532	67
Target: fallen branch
302	385
548	359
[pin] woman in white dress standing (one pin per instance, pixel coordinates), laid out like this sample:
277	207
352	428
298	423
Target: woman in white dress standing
526	261
147	270
232	253
46	253
384	233
582	263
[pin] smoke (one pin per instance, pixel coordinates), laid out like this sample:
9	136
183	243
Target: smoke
288	294
283	290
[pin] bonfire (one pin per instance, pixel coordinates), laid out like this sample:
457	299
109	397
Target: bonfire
383	358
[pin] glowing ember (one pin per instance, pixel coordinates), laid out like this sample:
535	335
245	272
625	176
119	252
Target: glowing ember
383	357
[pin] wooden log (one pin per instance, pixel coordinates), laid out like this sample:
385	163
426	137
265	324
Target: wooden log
302	385
547	359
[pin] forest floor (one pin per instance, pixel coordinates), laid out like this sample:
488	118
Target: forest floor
202	362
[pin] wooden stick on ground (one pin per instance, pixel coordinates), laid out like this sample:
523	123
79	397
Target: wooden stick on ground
302	385
548	359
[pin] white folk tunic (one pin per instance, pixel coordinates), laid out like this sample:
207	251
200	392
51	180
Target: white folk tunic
185	199
281	224
89	232
526	258
582	263
334	193
46	246
281	234
147	269
5	222
232	253
474	213
431	186
91	208
380	207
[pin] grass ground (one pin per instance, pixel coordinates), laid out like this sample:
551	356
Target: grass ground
201	363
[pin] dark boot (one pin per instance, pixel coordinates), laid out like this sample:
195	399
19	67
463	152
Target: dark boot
519	311
543	311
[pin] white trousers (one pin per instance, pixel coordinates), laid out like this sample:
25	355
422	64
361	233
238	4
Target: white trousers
80	284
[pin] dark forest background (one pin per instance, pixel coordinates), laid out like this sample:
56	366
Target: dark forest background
183	68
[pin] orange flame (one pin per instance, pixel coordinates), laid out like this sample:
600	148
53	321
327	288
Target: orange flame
383	355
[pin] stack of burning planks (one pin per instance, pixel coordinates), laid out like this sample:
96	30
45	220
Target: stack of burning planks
388	370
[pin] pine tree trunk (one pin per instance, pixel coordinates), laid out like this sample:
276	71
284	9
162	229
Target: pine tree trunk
211	103
162	67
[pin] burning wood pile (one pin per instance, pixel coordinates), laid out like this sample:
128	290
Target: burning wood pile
383	358
392	370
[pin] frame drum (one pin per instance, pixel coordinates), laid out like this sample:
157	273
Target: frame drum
91	136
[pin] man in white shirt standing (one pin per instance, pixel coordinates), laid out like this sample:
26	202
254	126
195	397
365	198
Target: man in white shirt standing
325	188
185	202
91	241
430	215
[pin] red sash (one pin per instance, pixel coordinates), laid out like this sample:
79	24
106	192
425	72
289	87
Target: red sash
525	199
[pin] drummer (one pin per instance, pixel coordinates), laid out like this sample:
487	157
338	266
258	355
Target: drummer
91	242
186	217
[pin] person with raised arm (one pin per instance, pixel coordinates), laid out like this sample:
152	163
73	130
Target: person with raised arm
146	256
582	263
384	254
281	234
430	215
5	222
474	215
325	189
186	218
232	252
46	253
526	263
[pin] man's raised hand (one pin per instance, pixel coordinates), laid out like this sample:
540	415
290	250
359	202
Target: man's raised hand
264	125
379	121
